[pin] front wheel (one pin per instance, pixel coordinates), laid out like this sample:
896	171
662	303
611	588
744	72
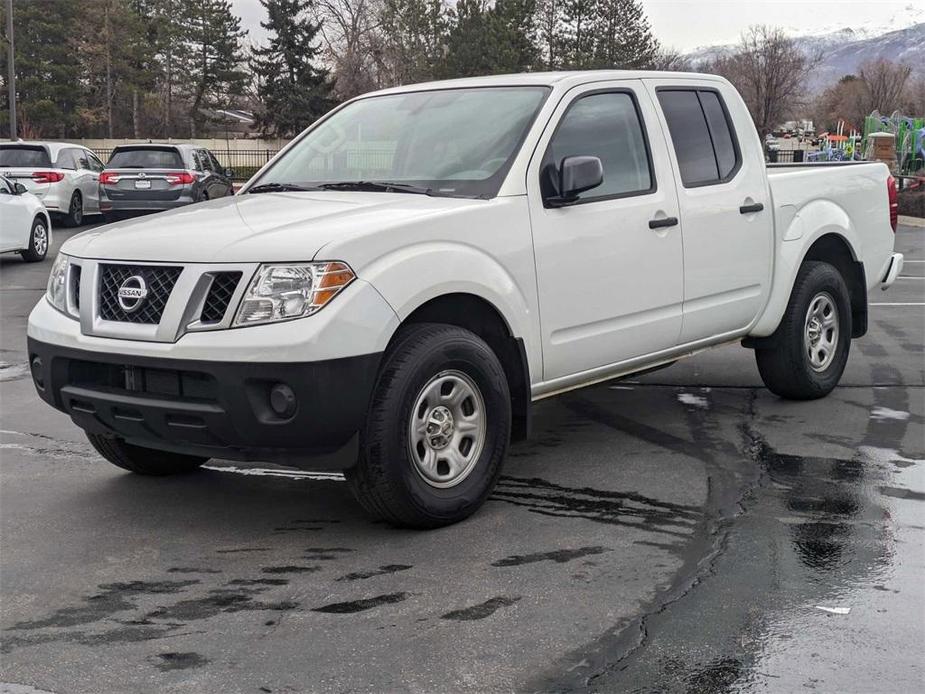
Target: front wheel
437	431
38	242
813	338
143	461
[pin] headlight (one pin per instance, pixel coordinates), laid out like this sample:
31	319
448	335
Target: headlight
57	283
283	292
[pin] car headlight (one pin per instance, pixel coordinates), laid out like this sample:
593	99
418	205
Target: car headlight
284	292
57	283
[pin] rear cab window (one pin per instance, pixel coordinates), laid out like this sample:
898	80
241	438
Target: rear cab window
24	155
701	133
146	158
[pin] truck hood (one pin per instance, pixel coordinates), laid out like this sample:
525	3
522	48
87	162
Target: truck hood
254	228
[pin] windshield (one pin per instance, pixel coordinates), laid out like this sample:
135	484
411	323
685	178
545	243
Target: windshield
450	142
152	158
20	155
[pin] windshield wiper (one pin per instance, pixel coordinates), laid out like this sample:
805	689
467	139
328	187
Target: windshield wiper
385	186
278	188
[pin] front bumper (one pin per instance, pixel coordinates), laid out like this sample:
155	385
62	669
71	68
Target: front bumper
212	408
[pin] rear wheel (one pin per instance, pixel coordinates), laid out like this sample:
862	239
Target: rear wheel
437	431
813	338
38	242
75	211
143	461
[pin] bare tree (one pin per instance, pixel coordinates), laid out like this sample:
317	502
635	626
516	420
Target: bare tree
885	84
770	72
844	101
671	60
353	44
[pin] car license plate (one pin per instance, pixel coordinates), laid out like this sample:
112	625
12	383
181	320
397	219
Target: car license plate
141	185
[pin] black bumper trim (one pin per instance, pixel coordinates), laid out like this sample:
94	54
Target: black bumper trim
211	408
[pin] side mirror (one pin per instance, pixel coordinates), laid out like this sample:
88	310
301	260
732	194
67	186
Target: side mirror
19	188
229	173
576	175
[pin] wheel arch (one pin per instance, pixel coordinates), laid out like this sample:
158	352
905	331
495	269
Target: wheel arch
830	246
479	316
835	249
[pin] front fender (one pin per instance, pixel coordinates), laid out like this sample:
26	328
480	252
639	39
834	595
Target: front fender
411	276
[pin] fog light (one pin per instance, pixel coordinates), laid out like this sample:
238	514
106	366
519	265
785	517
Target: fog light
37	371
282	400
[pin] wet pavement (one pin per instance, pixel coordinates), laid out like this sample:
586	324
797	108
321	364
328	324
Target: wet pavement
683	532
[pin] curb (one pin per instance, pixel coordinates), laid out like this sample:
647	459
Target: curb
912	221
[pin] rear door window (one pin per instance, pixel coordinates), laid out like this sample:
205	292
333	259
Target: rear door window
704	143
24	155
146	158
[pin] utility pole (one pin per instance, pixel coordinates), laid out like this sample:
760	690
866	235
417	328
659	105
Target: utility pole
11	76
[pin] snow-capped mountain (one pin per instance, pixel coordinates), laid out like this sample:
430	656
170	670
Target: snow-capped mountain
900	38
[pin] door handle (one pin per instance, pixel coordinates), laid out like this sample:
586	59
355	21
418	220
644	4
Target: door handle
662	223
748	209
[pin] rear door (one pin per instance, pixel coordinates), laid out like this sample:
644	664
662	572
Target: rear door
726	215
82	176
610	286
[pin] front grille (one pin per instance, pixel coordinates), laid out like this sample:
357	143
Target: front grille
220	292
159	281
75	286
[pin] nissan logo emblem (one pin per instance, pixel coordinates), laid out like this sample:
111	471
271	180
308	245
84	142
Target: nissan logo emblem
132	293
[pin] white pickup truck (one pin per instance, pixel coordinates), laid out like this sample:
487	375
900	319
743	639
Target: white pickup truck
390	293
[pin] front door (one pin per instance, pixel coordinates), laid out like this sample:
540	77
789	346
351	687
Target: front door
610	285
726	214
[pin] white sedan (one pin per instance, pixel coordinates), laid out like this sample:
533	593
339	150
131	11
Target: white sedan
25	226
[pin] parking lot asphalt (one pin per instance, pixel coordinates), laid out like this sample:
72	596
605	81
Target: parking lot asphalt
684	531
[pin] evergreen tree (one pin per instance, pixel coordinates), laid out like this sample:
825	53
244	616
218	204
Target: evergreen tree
414	36
577	39
114	54
489	39
293	91
48	86
211	60
623	37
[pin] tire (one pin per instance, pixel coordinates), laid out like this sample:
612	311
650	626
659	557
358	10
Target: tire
75	211
795	367
38	242
429	476
143	461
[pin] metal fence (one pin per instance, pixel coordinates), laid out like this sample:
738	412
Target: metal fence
244	162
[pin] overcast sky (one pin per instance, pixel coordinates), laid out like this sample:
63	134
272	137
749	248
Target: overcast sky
688	24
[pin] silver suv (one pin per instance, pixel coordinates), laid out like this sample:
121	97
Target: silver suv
155	177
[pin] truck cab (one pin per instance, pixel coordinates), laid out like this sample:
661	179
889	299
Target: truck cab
391	292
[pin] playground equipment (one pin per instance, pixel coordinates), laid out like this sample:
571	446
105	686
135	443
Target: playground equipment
909	138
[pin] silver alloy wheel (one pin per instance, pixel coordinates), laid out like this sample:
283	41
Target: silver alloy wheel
820	332
447	429
40	239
